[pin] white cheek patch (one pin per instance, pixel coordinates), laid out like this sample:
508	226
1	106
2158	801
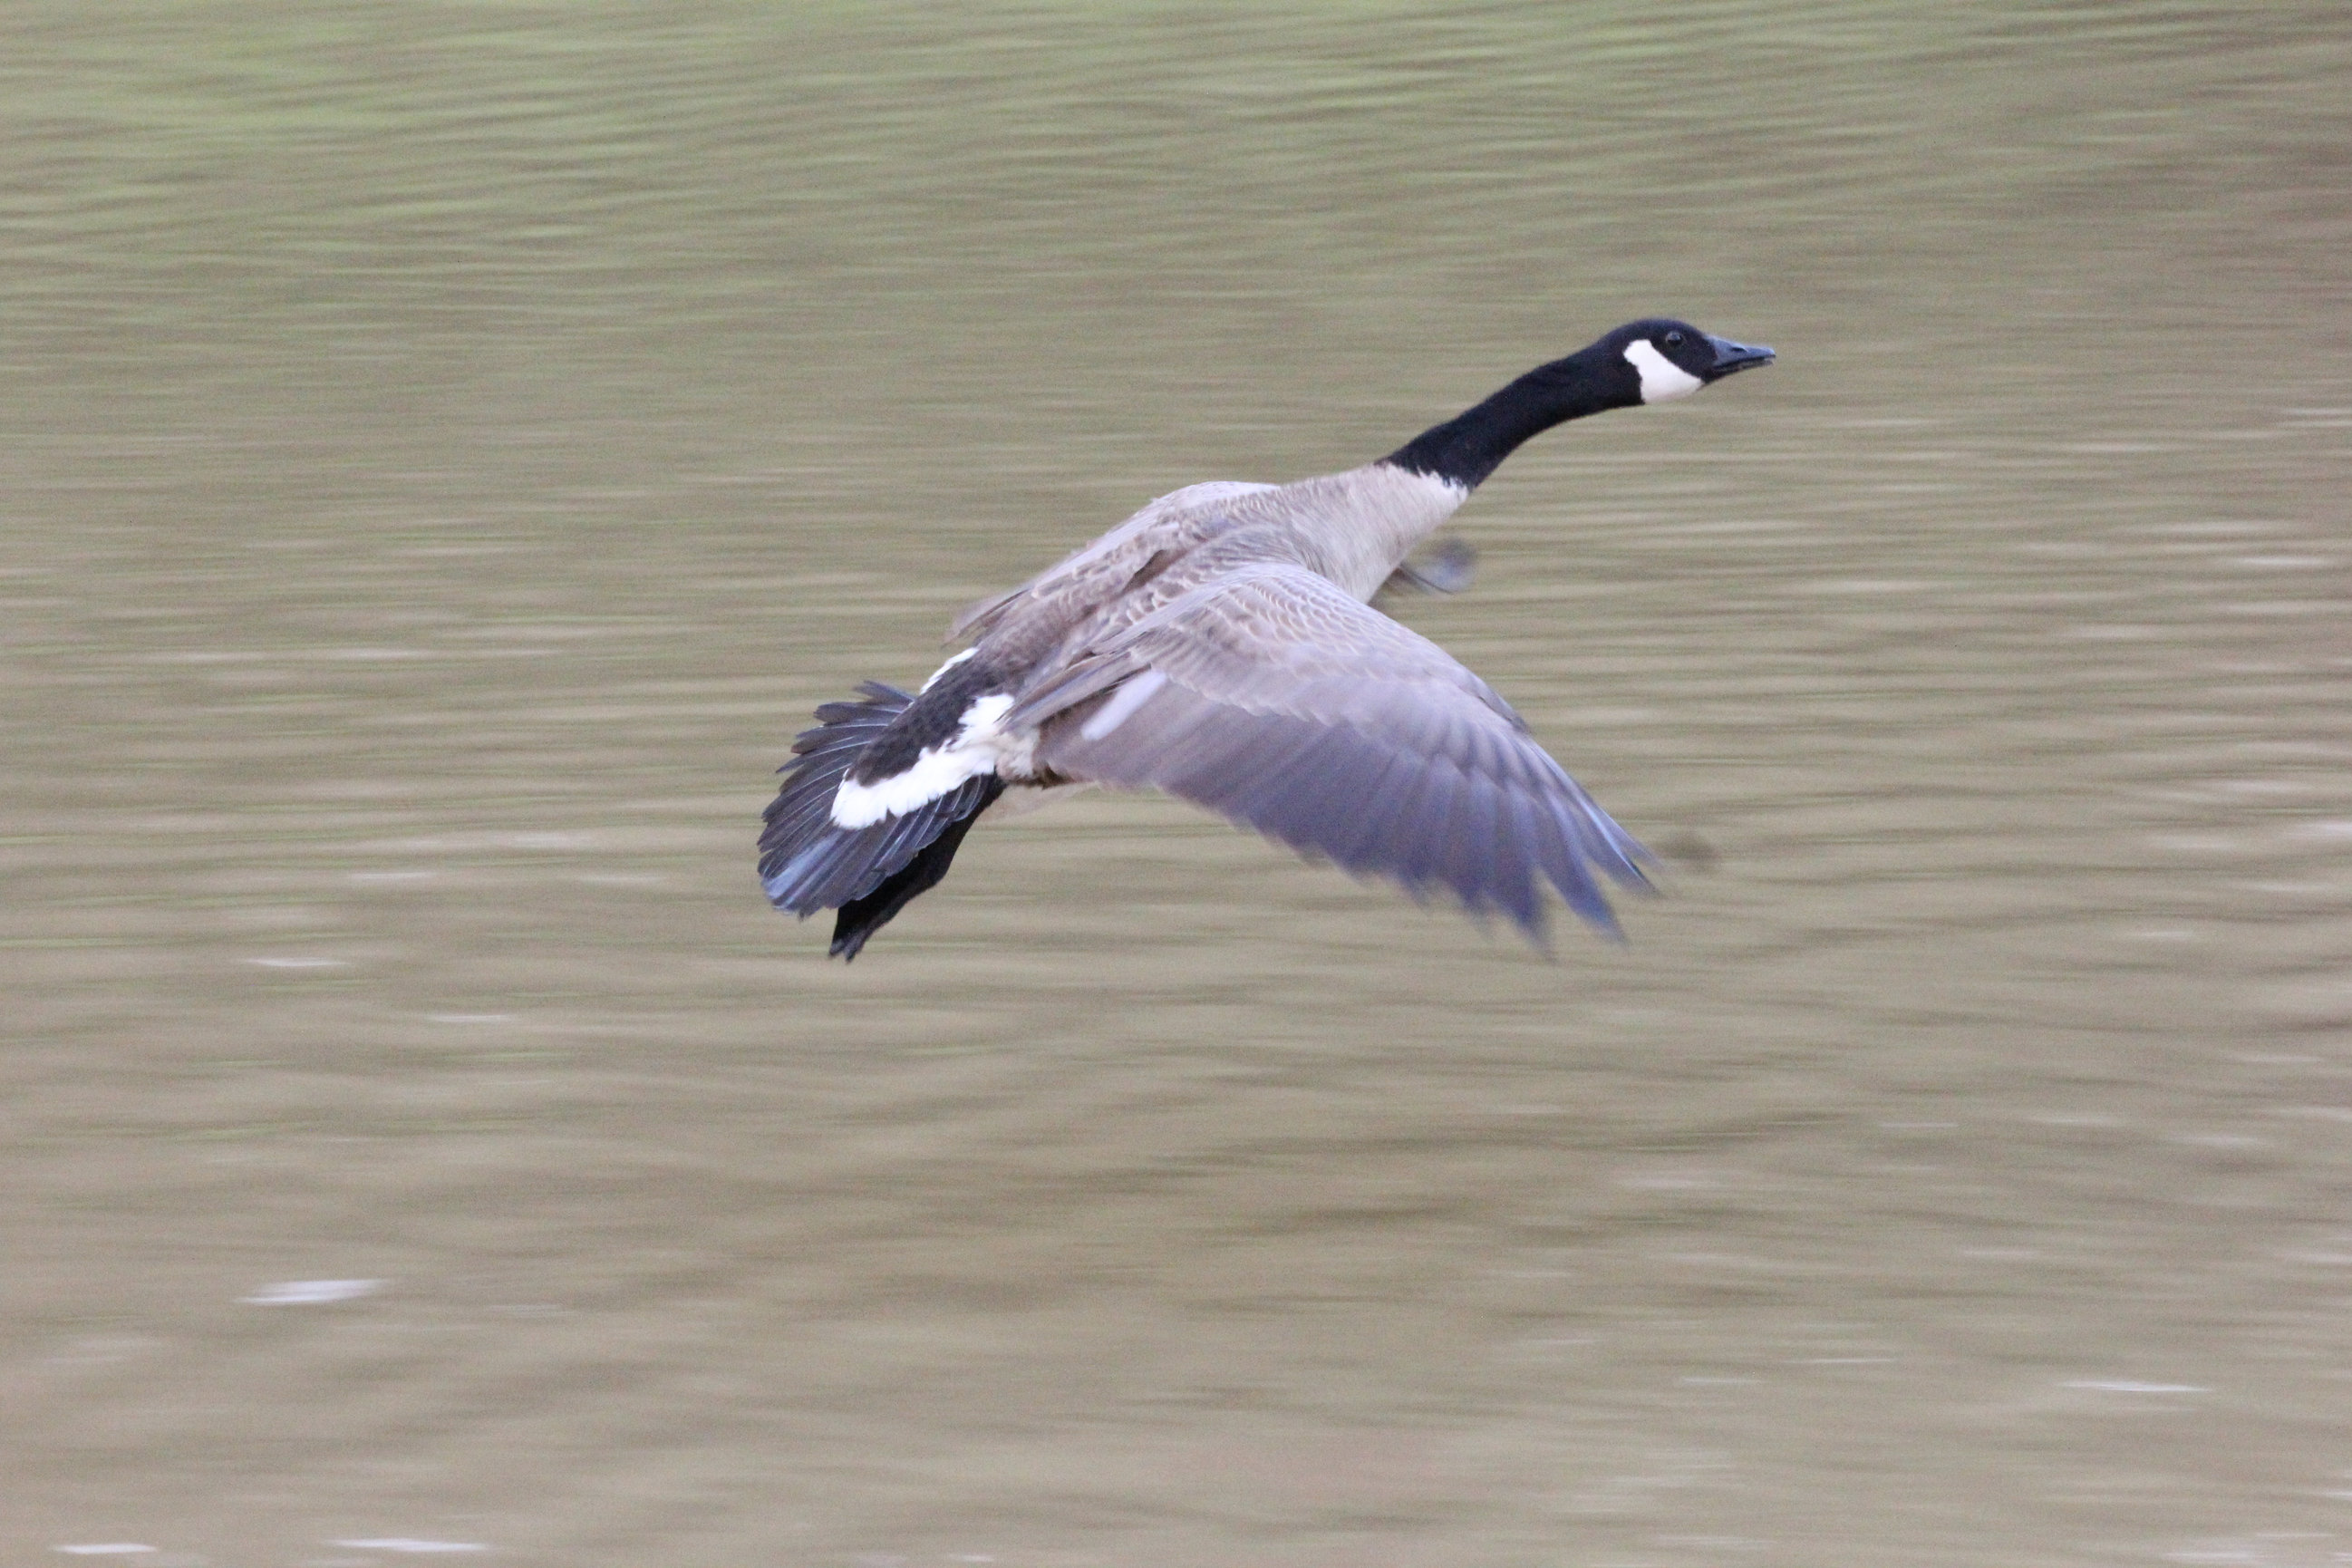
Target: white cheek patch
1122	705
1662	378
979	747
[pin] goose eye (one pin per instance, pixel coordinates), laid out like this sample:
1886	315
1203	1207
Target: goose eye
1674	340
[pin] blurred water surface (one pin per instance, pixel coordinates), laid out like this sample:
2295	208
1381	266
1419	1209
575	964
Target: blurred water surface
449	448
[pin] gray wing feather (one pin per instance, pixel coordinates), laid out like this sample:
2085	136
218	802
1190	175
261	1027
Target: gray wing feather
1293	709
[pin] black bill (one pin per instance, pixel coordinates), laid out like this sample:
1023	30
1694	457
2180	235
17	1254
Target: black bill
1730	356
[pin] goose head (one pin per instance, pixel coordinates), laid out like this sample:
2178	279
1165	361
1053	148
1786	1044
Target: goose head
1671	359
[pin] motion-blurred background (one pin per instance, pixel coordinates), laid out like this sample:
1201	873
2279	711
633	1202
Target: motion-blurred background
449	448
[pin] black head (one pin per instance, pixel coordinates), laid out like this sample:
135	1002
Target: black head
1673	358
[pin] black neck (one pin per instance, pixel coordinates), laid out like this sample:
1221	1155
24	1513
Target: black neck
1473	444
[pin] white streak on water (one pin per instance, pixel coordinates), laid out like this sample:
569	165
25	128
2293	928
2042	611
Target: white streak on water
408	1543
105	1549
311	1292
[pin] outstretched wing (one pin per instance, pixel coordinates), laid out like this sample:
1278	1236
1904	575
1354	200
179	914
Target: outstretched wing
1272	698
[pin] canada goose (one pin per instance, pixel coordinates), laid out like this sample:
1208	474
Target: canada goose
1221	645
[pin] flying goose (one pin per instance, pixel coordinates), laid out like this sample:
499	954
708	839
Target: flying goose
1221	645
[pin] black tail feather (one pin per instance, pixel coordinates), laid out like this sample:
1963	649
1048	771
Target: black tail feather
808	863
860	918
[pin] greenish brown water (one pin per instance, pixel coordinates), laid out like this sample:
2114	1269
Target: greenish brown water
448	450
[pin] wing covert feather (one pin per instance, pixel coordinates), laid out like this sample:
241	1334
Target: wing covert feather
1291	708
